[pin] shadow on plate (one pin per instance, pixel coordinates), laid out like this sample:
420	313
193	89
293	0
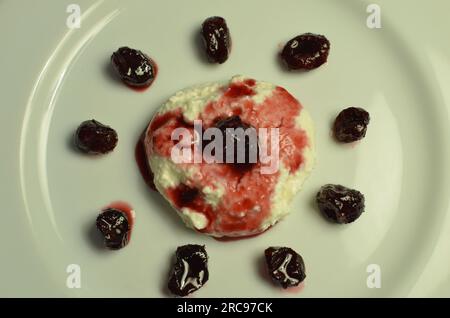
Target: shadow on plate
110	73
165	278
261	267
94	237
70	142
199	47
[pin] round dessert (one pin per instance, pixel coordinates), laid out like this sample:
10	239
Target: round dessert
231	198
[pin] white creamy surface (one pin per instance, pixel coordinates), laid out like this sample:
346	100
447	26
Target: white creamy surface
289	185
213	196
193	219
262	89
192	102
167	174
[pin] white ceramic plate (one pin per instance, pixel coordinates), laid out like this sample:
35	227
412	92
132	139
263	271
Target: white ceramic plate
55	77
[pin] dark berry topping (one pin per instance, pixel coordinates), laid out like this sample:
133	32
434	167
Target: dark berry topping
114	226
93	137
340	204
190	270
285	266
184	195
351	124
306	52
216	38
245	139
134	67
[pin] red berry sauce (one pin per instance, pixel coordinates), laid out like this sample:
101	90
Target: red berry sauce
142	163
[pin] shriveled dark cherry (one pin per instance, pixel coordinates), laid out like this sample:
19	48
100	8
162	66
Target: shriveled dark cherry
190	270
351	124
133	67
250	144
306	52
115	227
285	266
216	38
340	204
93	137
